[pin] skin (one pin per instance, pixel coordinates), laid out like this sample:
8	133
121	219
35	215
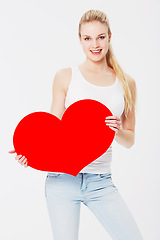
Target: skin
96	71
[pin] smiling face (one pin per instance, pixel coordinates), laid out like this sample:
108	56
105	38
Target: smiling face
94	37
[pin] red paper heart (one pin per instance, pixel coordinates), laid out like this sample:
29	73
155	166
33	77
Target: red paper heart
66	145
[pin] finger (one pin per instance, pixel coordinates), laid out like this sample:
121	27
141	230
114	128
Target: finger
26	164
113	117
18	156
117	125
12	151
21	160
24	161
113	121
110	117
114	126
114	129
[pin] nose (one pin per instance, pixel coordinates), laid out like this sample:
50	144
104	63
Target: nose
95	44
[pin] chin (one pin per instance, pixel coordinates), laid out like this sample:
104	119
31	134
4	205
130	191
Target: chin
96	59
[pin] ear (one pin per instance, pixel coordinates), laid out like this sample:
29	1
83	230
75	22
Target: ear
80	39
110	37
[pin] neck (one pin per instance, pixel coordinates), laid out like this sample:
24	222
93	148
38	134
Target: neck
99	66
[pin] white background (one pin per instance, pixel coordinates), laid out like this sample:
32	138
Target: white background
37	39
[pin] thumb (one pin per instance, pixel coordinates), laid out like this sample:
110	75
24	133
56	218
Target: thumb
12	151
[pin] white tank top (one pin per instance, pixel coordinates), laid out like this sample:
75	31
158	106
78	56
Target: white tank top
111	96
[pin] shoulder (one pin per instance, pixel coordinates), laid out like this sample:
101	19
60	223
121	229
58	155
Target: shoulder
63	71
131	81
132	85
63	77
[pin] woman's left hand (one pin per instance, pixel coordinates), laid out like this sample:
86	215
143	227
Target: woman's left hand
113	122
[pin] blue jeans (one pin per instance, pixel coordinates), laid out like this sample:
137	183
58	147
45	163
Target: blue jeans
64	194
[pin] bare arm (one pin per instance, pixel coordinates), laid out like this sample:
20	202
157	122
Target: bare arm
58	94
58	101
126	135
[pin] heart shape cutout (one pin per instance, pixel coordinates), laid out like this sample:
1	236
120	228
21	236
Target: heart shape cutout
66	145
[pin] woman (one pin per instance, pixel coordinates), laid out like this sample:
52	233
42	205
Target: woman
101	78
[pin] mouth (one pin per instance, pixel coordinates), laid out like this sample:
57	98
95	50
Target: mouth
96	52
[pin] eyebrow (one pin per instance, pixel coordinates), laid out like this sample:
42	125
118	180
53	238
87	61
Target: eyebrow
98	34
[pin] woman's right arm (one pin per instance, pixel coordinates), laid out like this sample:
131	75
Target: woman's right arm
57	106
59	93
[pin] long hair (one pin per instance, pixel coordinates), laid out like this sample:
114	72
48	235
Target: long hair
112	62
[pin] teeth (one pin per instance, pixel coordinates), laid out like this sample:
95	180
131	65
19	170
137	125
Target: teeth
95	51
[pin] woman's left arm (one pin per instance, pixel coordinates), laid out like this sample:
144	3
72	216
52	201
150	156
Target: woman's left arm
125	135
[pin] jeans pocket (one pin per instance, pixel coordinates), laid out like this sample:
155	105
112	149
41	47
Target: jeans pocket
45	186
105	175
53	174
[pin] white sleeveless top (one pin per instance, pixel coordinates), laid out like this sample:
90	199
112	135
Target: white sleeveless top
111	96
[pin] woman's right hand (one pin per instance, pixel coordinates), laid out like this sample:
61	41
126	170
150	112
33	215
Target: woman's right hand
21	159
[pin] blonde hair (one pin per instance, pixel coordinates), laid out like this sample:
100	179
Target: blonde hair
112	62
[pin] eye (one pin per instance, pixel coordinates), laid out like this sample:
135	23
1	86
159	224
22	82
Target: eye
102	37
86	38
